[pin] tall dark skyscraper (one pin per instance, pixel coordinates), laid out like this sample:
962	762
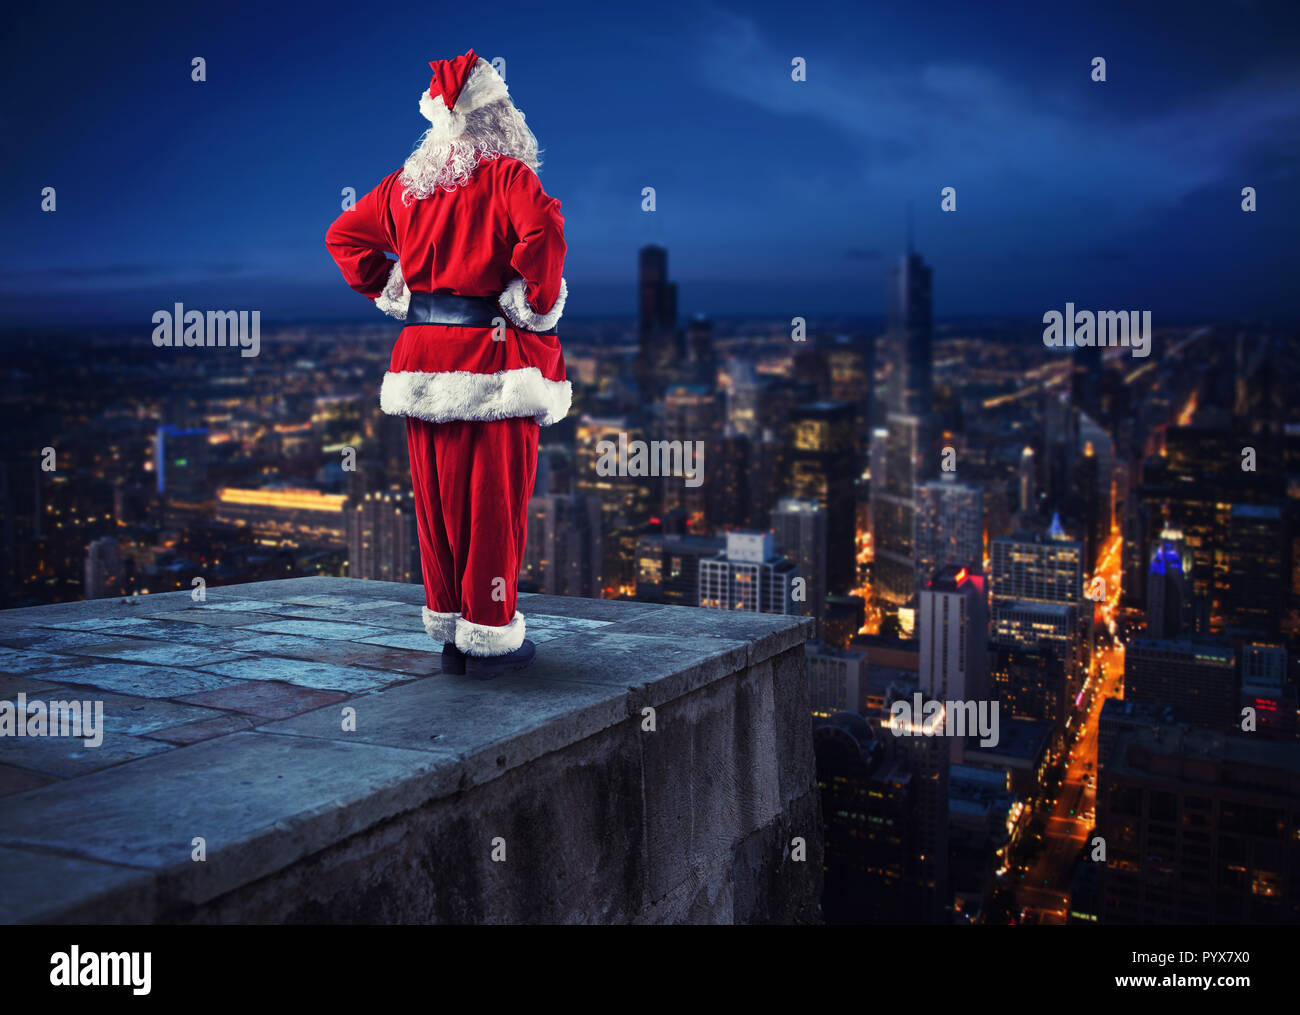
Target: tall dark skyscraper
661	345
909	426
909	460
911	335
823	466
699	346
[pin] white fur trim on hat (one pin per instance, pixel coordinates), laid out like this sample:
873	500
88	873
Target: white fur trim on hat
514	304
483	86
442	396
481	640
396	298
441	626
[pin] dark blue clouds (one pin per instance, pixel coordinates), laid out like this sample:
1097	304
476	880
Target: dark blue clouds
769	192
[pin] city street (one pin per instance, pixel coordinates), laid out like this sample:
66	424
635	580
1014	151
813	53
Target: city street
1043	896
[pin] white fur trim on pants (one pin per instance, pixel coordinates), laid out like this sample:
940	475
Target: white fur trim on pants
514	304
441	626
481	640
443	396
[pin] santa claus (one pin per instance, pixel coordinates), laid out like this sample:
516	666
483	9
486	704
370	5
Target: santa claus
477	369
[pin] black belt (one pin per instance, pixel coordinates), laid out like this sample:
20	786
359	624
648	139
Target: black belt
458	311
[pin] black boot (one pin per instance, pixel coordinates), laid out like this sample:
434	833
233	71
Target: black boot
453	659
487	667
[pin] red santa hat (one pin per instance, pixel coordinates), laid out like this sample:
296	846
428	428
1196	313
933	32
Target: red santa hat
459	86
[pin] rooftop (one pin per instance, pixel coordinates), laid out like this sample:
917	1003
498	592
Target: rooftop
302	733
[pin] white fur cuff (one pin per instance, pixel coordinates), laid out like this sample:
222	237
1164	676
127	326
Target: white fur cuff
440	397
481	640
396	298
514	304
441	626
483	86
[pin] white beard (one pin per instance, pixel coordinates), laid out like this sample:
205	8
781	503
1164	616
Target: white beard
440	162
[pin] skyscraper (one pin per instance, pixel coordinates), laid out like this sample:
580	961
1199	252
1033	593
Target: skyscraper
381	537
893	507
563	550
1252	583
181	470
1032	568
910	336
948	526
660	342
699	347
1195	676
668	566
953	635
1027	489
748	575
799	528
1169	588
823	466
1200	828
626	502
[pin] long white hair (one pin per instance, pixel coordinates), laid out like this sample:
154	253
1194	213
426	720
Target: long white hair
443	163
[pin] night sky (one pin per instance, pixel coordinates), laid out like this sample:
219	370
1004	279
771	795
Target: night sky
773	197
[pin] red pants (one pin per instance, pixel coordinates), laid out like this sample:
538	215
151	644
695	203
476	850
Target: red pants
472	481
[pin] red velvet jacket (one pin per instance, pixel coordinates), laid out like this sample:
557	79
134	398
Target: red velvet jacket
498	236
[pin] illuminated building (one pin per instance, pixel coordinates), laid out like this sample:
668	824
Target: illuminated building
1037	568
285	516
1169	602
1031	683
1253	581
893	507
1201	827
823	466
1265	689
1027	477
181	462
695	413
799	533
381	535
382	460
953	626
668	567
626	502
745	391
837	679
748	575
948	526
1036	598
850	363
562	553
844	618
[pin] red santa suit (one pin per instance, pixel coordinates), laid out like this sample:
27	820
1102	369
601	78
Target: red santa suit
474	393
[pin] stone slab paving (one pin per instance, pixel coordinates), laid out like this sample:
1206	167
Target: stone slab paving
277	718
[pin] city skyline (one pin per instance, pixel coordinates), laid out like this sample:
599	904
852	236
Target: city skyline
1047	663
